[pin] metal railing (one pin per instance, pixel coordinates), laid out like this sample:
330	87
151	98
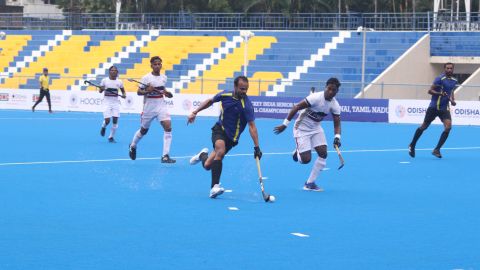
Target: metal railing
425	21
349	89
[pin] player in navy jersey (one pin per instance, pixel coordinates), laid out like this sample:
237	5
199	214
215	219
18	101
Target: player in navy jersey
236	113
308	132
110	86
442	91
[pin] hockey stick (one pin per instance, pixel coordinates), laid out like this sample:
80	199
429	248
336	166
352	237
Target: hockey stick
116	94
106	90
91	83
342	162
266	196
162	91
139	82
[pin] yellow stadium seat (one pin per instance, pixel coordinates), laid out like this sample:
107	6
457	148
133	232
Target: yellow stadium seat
90	60
226	67
68	51
262	80
172	51
11	46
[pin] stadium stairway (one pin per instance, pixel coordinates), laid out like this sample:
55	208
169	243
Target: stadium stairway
11	46
39	42
227	66
345	62
455	44
173	49
284	63
282	58
125	54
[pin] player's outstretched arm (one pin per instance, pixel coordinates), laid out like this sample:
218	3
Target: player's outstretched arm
252	128
452	98
297	107
124	95
337	127
205	104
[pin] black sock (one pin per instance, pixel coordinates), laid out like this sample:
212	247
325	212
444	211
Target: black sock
417	135
203	157
216	171
442	140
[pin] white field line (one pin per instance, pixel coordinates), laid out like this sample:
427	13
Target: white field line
235	155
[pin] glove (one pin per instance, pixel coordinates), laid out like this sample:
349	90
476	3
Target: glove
337	142
257	152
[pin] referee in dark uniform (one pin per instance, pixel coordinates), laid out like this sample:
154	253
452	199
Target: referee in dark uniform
236	113
442	91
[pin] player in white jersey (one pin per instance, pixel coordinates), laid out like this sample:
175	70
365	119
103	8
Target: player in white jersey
308	132
110	86
152	87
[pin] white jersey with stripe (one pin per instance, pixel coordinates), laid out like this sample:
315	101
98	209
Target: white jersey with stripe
154	101
112	89
308	122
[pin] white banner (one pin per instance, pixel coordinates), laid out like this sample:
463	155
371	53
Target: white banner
413	111
90	101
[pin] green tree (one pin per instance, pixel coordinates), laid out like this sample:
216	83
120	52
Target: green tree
219	6
251	6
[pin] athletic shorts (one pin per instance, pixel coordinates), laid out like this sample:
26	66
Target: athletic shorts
112	109
432	113
148	117
308	142
219	134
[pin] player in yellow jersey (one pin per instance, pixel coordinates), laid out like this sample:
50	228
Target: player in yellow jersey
44	81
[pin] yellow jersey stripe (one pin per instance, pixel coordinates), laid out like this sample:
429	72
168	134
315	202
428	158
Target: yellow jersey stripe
221	112
237	130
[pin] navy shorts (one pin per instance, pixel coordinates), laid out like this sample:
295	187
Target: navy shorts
219	134
432	113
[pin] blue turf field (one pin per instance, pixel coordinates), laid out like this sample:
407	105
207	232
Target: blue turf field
71	200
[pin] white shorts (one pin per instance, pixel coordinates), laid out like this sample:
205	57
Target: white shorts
308	142
148	117
112	109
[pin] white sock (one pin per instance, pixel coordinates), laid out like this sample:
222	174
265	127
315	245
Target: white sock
136	138
317	167
167	141
104	124
112	130
299	157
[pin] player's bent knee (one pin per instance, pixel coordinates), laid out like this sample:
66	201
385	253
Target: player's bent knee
168	130
323	154
220	154
143	131
305	159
